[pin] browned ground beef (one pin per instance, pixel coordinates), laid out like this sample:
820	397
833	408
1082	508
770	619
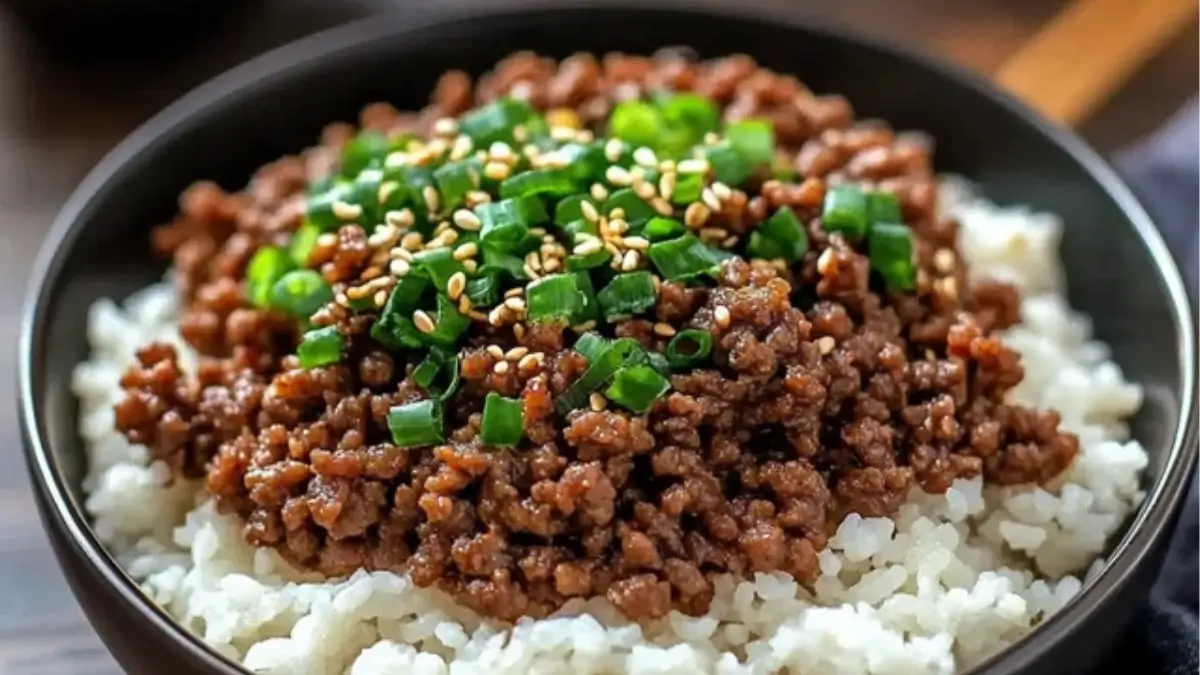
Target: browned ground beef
825	398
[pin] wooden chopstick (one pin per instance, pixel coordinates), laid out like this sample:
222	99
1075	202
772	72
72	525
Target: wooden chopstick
1088	50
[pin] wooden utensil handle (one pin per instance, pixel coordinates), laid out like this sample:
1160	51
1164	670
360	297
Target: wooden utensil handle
1084	54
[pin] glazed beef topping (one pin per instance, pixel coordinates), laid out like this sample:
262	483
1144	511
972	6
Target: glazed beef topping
391	379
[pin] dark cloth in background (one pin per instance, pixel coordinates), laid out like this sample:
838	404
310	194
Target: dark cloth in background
1165	170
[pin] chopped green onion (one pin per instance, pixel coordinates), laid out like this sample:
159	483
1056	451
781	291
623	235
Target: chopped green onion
438	366
590	345
692	113
449	324
267	266
484	290
364	193
395	327
780	236
416	424
366	149
585	261
582	226
555	298
659	229
636	209
414	180
301	293
591	308
627	294
685	258
884	207
585	163
506	223
728	165
618	353
845	210
495	121
569	209
688	187
782	169
320	347
890	250
320	206
503	422
550	182
439	264
636	122
303	241
497	263
454	180
754	139
659	363
689	348
636	388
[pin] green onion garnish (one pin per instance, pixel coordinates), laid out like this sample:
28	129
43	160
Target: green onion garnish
498	263
495	121
688	187
692	113
303	241
595	256
636	209
659	363
503	421
585	163
590	345
636	388
439	264
845	210
884	207
301	293
618	353
636	122
267	266
890	250
780	236
658	229
569	209
454	180
438	373
484	291
557	297
321	206
366	149
449	324
416	424
506	223
395	328
685	258
320	347
549	182
753	139
689	348
728	165
627	294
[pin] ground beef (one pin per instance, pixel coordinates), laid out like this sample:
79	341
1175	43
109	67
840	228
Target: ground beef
824	396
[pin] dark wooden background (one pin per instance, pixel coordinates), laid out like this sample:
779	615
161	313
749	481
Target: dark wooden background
57	120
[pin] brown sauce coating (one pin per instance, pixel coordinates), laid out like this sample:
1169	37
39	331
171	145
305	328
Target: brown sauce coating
824	398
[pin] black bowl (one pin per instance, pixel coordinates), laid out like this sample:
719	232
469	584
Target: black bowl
1120	271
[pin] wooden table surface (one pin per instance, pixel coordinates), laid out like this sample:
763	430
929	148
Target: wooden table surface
56	122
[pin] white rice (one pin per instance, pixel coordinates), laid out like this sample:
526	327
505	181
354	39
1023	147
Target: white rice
948	581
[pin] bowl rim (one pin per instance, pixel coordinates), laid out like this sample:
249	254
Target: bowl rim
62	512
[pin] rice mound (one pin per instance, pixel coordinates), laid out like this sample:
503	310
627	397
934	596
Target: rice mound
947	582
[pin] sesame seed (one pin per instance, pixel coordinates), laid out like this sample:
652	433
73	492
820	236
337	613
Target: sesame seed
613	150
722	191
644	190
597	402
710	199
943	260
441	227
589	211
467	220
662	329
516	353
616	214
531	361
515	304
402	219
666	185
386	190
656	281
645	157
412	241
495	351
713	233
730	241
532	260
423	322
445	126
341	299
477	197
825	261
383	235
501	368
431	197
562	134
618	225
826	344
948	287
630	261
520	133
639	243
461	148
496	170
327	240
477	316
598	192
547	239
721	316
696	215
530	272
467	250
662	206
399	268
514	292
470	265
589	246
449	237
455	285
380	298
496	316
693	166
711	137
519	331
551	264
346	211
585	326
464	304
618	176
402	254
501	152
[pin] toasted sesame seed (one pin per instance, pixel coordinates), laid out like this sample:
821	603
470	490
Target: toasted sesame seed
711	137
501	368
464	304
721	316
618	176
423	322
639	243
825	261
467	250
826	344
496	170
402	219
713	233
656	281
613	149
399	268
413	241
533	261
382	236
693	166
516	353
341	299
515	304
662	329
501	152
496	316
529	271
455	285
722	191
597	402
386	189
730	241
630	261
467	220
531	361
662	206
519	331
666	185
598	192
645	190
618	225
327	240
401	254
551	264
589	246
380	298
947	286
943	260
477	197
710	199
514	292
346	211
476	315
495	351
696	215
645	157
445	126
520	133
441	227
461	148
431	197
585	326
470	265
